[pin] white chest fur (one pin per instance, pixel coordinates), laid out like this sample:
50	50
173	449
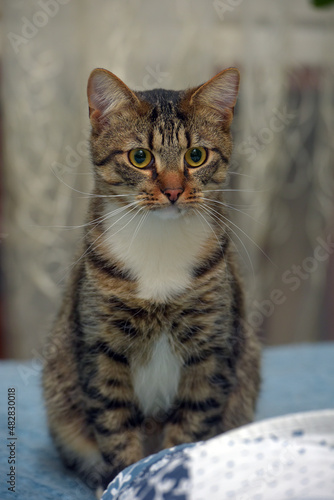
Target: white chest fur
156	382
161	253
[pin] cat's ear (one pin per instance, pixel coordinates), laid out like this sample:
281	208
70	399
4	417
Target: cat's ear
219	94
106	93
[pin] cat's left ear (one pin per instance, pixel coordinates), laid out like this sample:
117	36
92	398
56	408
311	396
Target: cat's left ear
219	94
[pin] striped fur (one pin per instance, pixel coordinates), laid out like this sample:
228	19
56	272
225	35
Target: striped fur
149	349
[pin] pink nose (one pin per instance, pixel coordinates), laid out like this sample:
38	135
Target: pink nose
173	194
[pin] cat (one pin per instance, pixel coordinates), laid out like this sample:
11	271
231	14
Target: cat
150	345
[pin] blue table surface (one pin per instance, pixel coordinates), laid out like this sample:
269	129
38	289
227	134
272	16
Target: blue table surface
295	378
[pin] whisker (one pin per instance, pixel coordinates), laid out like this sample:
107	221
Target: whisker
245	234
242	205
208	223
233	208
234	190
111	214
100	236
211	211
88	195
90	223
242	175
94	242
139	225
121	229
92	195
78	173
107	216
67	185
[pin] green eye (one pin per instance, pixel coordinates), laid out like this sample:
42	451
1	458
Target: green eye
140	158
195	157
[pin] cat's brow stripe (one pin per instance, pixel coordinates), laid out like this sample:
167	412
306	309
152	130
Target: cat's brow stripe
188	139
177	131
150	140
154	114
162	134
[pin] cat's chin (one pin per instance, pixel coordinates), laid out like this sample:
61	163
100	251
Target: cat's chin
172	212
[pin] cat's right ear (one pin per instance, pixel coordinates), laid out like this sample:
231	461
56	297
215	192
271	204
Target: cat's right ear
106	93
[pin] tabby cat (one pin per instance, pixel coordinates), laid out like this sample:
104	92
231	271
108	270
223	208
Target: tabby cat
150	348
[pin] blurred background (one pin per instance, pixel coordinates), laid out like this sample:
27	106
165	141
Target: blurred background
281	183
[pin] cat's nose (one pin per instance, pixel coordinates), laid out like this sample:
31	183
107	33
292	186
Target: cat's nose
173	193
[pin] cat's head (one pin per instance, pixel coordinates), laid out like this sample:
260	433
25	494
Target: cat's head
164	150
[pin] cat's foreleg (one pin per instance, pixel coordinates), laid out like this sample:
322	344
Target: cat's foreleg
119	449
241	403
210	402
99	458
111	409
198	408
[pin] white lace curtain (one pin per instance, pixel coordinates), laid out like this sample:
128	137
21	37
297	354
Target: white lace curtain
282	164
